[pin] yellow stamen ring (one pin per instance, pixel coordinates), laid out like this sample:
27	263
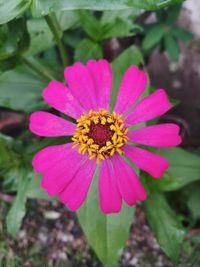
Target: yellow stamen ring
100	134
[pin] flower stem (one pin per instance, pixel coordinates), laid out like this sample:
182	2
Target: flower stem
40	71
53	24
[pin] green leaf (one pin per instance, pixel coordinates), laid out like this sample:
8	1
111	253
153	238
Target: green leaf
10	9
14	39
39	31
193	200
110	16
130	56
119	28
34	189
153	36
105	28
20	89
165	225
72	40
119	23
9	64
182	34
184	169
154	4
67	19
174	102
106	234
18	209
172	47
9	158
86	50
173	13
10	161
90	24
43	7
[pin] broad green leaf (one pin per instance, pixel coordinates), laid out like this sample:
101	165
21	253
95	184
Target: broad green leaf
43	7
34	189
20	89
86	50
163	220
182	34
39	31
153	36
18	209
10	9
184	169
193	199
172	47
106	234
67	19
131	56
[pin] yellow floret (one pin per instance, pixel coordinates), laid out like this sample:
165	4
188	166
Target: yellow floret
85	142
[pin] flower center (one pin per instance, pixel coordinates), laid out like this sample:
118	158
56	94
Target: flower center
100	134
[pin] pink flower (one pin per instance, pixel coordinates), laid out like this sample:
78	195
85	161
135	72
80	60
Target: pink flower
101	137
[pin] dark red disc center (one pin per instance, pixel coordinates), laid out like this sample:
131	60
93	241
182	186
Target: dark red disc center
100	133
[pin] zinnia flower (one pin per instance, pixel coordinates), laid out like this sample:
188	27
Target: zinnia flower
101	137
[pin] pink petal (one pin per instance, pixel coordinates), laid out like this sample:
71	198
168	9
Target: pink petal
59	97
51	155
81	85
149	162
149	108
75	193
128	181
46	124
101	73
110	199
59	164
161	135
132	87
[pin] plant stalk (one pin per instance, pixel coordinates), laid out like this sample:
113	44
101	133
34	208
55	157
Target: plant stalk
40	71
54	26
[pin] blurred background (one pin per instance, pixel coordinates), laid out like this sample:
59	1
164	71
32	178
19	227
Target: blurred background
36	231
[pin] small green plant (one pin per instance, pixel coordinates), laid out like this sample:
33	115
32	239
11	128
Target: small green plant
165	34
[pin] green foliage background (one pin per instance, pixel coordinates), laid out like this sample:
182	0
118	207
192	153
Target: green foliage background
38	38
